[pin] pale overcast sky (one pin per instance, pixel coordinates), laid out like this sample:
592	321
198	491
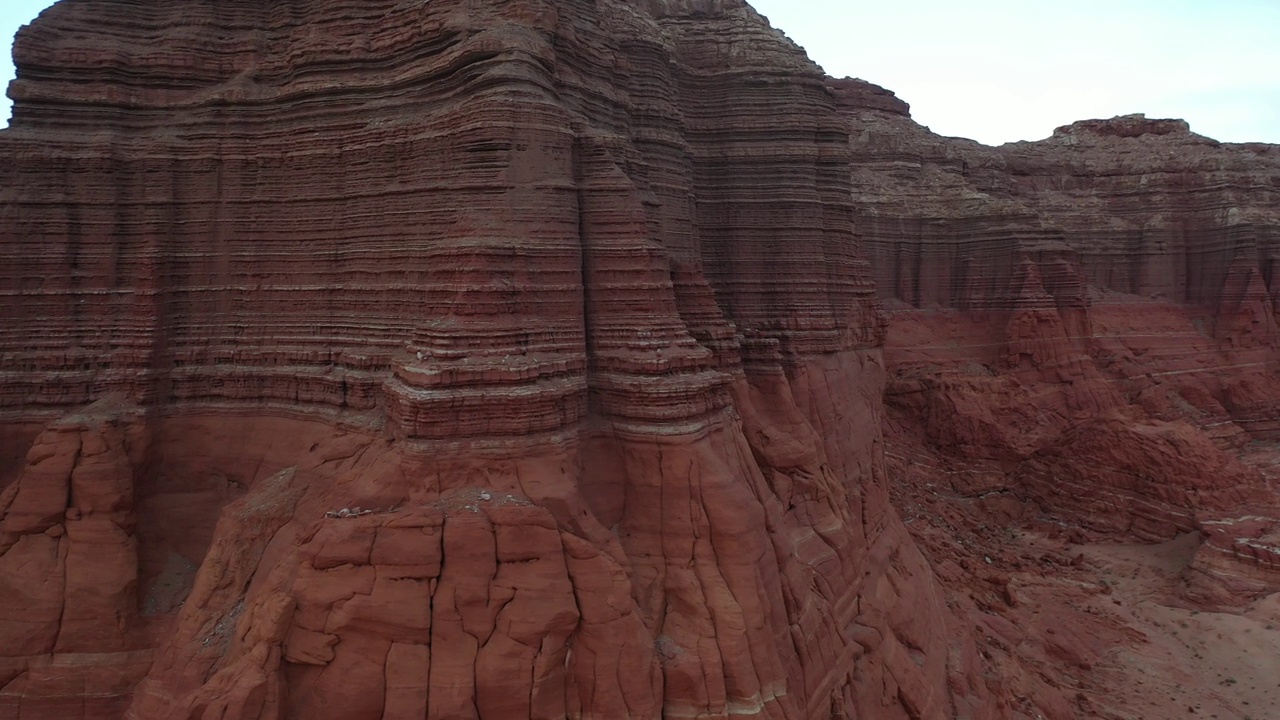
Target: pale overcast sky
1003	70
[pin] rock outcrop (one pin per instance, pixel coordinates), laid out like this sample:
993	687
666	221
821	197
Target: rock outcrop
470	360
523	359
1085	321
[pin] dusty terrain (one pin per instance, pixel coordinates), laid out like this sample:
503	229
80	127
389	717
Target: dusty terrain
1109	623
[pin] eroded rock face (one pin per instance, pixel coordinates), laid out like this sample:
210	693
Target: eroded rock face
1085	322
476	366
465	359
1080	354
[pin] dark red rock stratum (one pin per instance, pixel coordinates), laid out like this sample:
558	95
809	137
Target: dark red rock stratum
493	360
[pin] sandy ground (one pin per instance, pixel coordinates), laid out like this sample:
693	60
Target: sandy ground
1193	663
1107	624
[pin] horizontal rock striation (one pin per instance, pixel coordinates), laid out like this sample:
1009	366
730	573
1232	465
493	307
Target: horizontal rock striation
465	360
1079	321
531	359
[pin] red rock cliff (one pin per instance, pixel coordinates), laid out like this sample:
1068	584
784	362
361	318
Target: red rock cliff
1086	323
492	360
448	359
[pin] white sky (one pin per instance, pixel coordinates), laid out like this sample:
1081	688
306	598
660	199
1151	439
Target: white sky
13	15
1003	70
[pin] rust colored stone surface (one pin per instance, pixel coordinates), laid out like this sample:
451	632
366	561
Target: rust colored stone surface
1082	348
502	360
465	360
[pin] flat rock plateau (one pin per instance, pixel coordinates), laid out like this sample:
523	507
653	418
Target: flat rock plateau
406	359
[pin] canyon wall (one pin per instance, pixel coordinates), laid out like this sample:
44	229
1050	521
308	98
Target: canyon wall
450	359
1086	322
473	359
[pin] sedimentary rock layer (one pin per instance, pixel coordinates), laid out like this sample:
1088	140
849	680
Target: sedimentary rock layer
1086	321
522	359
448	359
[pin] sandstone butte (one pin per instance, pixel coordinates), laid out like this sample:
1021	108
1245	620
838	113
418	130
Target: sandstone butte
551	358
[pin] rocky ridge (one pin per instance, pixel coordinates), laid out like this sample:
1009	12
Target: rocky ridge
1115	269
1081	335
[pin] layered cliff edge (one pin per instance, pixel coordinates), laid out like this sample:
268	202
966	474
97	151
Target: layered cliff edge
1087	320
466	359
1081	356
